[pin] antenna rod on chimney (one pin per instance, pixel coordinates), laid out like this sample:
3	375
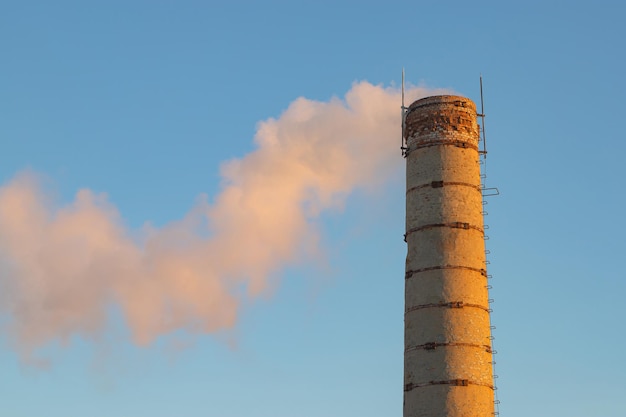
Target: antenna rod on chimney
403	115
482	116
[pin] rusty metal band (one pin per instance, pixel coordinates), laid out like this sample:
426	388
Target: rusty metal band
456	143
455	382
453	225
443	105
409	274
439	184
434	345
452	304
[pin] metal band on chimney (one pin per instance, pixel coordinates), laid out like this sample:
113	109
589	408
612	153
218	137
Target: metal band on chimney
411	272
453	225
440	184
454	382
452	304
456	143
435	345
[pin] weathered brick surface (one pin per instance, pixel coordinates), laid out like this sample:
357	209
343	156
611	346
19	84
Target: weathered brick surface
448	370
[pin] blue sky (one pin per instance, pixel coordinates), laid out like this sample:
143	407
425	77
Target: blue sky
145	101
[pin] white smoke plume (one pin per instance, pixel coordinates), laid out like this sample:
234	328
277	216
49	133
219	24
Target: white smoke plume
63	267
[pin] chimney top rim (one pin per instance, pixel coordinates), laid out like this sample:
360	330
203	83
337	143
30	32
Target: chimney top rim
441	99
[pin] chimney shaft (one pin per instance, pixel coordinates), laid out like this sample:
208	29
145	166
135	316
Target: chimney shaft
447	359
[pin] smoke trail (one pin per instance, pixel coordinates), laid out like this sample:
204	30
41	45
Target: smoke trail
63	266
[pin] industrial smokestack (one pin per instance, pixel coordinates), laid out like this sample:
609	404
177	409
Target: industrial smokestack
448	356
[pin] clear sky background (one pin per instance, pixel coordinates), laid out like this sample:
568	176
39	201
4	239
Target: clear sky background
146	100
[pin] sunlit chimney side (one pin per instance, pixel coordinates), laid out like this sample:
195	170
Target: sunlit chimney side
447	339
